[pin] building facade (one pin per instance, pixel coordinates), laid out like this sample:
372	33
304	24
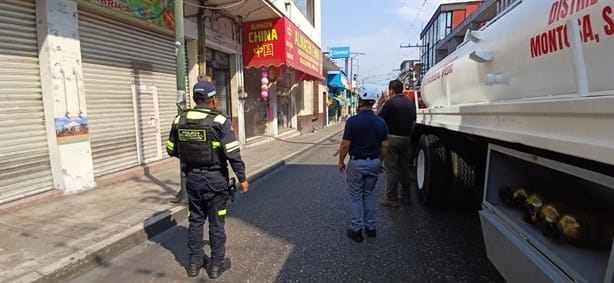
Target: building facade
88	87
446	18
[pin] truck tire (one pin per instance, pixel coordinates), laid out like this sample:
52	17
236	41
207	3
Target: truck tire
465	181
433	172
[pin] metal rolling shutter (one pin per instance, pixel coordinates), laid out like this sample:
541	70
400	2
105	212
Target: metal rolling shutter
116	55
24	155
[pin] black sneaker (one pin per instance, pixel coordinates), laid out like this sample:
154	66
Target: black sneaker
370	233
217	270
355	235
193	269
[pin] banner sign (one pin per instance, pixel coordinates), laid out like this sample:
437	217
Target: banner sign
278	41
156	12
339	52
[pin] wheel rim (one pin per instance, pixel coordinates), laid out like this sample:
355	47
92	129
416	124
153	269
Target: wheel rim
420	169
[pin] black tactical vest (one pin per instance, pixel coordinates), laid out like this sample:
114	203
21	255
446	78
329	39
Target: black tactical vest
196	140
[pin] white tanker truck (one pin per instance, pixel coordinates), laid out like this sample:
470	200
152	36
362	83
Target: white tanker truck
521	119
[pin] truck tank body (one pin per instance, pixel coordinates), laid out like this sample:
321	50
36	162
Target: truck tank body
541	74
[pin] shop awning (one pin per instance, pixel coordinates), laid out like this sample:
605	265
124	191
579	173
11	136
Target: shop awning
276	42
337	79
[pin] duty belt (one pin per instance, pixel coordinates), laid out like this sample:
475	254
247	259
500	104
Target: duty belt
363	157
204	170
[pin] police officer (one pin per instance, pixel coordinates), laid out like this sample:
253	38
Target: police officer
203	139
365	138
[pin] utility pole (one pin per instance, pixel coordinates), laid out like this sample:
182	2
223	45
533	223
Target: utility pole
180	50
356	54
202	47
182	195
419	46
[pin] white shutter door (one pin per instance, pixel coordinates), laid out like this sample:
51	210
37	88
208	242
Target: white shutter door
117	55
24	155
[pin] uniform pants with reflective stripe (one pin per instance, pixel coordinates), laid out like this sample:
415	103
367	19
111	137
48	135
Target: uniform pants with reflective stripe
361	177
203	204
398	167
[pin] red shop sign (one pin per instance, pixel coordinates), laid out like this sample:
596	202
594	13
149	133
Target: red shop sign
278	41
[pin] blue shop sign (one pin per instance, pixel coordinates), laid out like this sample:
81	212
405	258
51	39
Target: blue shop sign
339	52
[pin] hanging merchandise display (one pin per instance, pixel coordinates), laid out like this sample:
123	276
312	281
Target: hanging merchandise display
264	89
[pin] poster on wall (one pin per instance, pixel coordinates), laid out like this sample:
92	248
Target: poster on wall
156	12
72	130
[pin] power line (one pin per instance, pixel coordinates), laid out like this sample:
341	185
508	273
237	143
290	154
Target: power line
418	14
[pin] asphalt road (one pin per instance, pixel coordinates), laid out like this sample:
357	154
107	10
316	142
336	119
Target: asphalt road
291	228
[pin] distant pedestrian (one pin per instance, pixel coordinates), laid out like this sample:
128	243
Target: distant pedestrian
399	113
365	138
203	139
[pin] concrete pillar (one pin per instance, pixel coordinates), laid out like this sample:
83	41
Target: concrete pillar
63	92
192	67
274	93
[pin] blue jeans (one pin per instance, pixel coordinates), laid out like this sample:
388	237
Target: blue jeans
361	177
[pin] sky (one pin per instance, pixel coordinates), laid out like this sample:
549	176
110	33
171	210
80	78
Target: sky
376	28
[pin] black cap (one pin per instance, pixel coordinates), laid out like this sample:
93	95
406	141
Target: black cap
204	89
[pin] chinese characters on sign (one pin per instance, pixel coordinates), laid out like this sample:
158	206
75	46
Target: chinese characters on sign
278	41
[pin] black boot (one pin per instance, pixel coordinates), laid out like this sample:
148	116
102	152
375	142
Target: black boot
217	270
355	235
193	269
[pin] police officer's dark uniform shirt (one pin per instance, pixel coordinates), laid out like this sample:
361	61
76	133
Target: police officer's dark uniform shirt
399	112
229	146
365	131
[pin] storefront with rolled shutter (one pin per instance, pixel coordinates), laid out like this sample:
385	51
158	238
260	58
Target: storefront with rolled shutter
24	154
129	79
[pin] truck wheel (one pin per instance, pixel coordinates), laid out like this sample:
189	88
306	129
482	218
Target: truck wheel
432	171
465	182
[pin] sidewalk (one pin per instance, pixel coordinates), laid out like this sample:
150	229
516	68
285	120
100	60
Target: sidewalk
68	236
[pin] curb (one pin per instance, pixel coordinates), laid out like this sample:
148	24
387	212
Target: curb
96	255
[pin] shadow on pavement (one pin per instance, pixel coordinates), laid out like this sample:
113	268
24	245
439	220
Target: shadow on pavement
177	247
166	192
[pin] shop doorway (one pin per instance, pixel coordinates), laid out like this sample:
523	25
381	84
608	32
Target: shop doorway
222	87
147	115
284	107
218	69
